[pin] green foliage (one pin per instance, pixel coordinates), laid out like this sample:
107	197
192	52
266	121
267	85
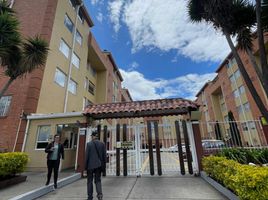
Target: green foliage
12	163
245	156
248	182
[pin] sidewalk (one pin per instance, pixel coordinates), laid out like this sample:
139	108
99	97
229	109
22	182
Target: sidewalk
132	188
34	180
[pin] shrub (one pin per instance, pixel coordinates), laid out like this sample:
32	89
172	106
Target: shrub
12	163
248	182
245	156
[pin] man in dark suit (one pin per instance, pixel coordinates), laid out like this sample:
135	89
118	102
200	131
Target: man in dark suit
55	151
95	164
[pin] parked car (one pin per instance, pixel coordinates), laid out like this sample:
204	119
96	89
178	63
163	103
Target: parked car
208	144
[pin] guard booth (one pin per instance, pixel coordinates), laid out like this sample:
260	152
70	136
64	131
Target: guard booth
145	137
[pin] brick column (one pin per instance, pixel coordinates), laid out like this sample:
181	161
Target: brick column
81	154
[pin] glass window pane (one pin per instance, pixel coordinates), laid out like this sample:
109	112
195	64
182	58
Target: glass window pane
64	48
91	87
237	74
68	23
78	37
75	60
44	133
241	89
60	78
72	86
4	105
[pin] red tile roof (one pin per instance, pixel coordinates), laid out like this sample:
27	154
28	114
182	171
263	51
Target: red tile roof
159	107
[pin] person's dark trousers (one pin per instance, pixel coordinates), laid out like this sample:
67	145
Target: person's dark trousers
52	164
96	173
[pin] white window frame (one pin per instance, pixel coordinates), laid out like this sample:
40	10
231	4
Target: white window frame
241	91
63	50
42	141
58	71
72	82
5	102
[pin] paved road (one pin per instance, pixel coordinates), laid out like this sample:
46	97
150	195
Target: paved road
132	188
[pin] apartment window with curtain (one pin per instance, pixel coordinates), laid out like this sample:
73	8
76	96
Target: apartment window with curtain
237	74
60	77
72	87
4	105
76	60
68	23
64	48
43	136
86	102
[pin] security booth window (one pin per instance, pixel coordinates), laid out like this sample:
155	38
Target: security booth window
43	136
68	133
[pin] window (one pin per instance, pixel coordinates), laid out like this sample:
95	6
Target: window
43	136
226	118
78	37
252	125
91	87
246	107
236	93
244	126
239	109
64	48
72	86
68	135
237	74
232	79
75	60
242	89
60	77
86	102
81	16
4	105
114	99
68	23
93	71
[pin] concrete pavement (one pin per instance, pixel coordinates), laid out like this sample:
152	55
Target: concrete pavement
132	188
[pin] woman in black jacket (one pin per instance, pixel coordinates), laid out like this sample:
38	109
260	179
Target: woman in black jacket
55	151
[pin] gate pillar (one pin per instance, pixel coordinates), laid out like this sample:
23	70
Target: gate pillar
198	143
81	151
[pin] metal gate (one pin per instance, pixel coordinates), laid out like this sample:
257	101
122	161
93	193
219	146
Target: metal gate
149	149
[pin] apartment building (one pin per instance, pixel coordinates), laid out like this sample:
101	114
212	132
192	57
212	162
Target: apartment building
77	73
229	93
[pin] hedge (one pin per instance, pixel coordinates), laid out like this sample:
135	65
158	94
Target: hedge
247	182
12	163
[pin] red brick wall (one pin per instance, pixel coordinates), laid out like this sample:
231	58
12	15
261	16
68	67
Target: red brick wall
36	18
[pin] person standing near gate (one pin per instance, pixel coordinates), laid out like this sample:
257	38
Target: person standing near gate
55	151
95	164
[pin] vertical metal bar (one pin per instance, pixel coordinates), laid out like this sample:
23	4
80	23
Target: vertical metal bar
178	133
158	156
125	150
187	147
99	131
136	151
117	150
151	158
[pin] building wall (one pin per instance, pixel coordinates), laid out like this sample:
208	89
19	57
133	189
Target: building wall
38	156
36	18
50	89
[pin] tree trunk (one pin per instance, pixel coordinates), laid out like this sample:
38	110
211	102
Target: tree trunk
264	65
5	87
258	71
246	78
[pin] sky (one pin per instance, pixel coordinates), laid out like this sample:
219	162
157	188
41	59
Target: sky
159	51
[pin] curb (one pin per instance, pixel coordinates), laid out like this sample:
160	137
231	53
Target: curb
47	189
227	193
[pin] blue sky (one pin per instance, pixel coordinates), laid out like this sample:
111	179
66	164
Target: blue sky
160	53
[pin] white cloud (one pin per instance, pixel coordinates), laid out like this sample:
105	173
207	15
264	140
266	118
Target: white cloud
165	25
115	8
95	2
100	17
183	86
133	65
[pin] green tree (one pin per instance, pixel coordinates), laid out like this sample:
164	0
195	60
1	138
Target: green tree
224	15
18	56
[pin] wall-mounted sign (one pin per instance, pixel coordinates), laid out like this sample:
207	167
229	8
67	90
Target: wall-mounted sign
264	121
126	144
